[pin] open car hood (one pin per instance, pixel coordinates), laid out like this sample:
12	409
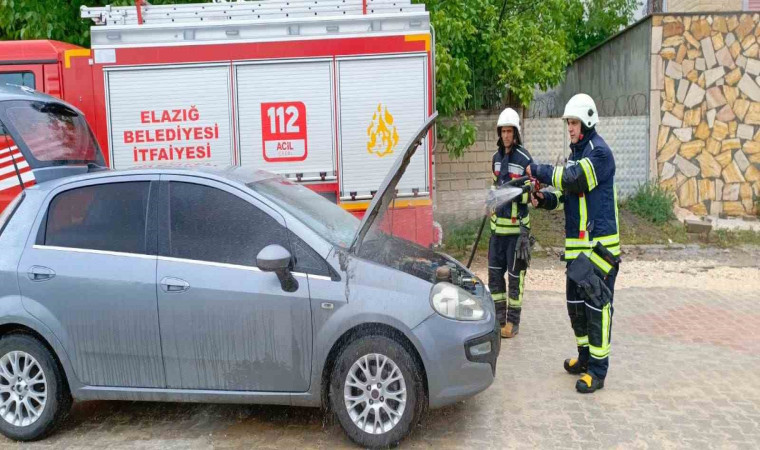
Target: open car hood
387	191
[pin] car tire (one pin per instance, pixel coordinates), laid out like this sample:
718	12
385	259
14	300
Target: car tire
356	382
47	394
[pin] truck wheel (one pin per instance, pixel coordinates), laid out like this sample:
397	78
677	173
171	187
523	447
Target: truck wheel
376	391
34	397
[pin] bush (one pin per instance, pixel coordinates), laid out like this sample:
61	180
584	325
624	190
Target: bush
652	203
459	237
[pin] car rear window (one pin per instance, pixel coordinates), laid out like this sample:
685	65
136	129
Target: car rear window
108	217
53	133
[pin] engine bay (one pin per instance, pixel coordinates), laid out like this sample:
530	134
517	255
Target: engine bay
419	262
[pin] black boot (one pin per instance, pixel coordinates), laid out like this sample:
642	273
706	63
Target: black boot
588	384
575	366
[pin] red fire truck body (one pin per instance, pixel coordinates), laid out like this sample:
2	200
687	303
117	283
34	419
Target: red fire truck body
321	92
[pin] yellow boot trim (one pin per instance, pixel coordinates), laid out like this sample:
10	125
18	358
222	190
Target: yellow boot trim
507	331
586	378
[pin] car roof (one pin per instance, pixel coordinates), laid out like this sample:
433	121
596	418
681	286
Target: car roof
236	175
15	92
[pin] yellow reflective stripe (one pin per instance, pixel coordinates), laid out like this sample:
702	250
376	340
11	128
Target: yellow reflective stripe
615	250
507	222
517	302
572	252
560	203
514	210
584	213
582	341
505	231
525	198
606	328
603	265
609	242
612	239
573	243
557	177
499	297
603	351
588	170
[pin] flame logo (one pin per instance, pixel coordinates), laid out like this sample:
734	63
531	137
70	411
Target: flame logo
382	134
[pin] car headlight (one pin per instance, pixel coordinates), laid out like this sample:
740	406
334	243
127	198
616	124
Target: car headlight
455	303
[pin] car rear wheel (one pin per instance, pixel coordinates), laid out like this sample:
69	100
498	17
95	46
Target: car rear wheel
376	391
34	397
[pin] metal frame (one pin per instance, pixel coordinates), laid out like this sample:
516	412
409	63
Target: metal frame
245	21
199	12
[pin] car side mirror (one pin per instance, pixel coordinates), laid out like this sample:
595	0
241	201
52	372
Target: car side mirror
275	258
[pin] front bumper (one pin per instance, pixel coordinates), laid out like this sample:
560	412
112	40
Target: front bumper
456	371
475	348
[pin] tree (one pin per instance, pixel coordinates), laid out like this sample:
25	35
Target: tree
54	19
512	47
503	46
594	21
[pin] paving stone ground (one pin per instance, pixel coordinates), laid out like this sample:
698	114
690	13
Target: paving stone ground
684	373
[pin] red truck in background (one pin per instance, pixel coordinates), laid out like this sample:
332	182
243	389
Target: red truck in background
320	92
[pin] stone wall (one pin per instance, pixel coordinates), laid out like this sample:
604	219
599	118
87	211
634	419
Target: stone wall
703	5
705	74
462	184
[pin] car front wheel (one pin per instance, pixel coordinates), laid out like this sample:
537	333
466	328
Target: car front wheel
376	391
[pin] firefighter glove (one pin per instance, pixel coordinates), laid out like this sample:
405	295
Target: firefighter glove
524	245
540	199
590	285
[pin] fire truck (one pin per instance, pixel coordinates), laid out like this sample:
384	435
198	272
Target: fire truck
324	92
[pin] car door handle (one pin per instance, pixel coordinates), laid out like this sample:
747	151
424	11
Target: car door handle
169	284
39	273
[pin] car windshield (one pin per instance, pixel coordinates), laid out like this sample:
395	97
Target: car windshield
53	133
326	218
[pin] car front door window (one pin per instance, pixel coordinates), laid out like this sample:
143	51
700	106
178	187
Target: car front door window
209	224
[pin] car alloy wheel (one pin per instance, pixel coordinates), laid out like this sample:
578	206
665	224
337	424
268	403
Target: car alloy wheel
375	393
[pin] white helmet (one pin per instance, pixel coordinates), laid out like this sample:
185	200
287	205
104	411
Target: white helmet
509	118
583	108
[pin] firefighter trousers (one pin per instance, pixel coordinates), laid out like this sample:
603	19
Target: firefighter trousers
502	262
592	326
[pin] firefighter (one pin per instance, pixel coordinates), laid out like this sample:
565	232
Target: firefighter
510	225
585	187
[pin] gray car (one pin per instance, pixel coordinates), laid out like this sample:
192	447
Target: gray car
195	285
